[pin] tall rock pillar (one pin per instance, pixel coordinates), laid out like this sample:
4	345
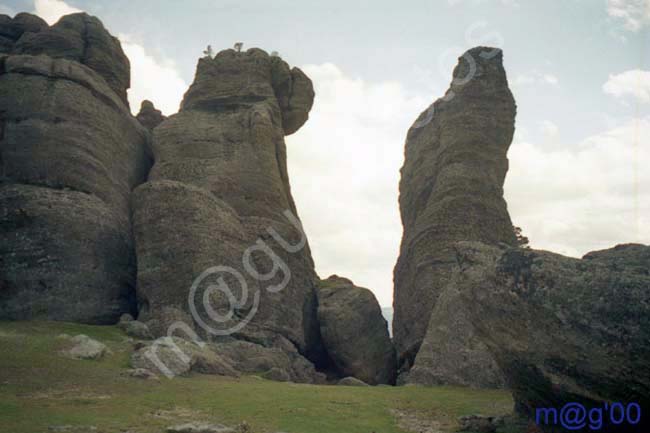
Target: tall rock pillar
451	189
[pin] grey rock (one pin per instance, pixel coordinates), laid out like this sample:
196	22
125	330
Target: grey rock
71	153
125	318
478	424
173	356
219	185
85	347
83	39
452	353
137	329
563	329
451	189
254	358
141	373
199	428
149	116
354	332
277	374
351	381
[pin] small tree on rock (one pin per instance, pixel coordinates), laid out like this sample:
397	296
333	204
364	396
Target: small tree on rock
522	241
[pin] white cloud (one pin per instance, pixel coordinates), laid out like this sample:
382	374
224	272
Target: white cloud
549	129
344	167
535	77
513	3
158	81
52	10
635	14
6	10
635	83
576	199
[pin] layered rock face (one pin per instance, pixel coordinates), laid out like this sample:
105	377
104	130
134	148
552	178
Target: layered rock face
563	329
354	332
451	190
70	154
219	196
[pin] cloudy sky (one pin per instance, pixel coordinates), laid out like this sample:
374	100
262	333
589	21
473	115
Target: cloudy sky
579	175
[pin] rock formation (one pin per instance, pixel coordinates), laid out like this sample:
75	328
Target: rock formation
219	196
451	190
149	116
563	329
70	154
354	332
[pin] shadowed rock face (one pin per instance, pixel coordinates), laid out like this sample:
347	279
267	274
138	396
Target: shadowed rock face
149	116
354	332
220	186
70	154
77	37
451	189
563	329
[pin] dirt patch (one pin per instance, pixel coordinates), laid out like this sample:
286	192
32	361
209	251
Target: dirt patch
417	423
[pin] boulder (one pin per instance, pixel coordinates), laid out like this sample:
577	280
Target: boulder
136	329
351	381
278	361
198	427
354	332
451	189
563	329
173	356
149	116
85	347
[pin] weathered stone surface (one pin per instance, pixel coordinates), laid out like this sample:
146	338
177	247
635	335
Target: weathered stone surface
351	381
451	189
137	329
199	427
65	255
563	329
452	353
149	116
11	29
85	347
239	80
219	187
177	357
254	358
70	153
78	37
354	332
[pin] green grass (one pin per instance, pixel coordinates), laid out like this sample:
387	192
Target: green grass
40	388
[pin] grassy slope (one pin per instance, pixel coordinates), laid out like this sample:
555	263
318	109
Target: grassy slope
39	388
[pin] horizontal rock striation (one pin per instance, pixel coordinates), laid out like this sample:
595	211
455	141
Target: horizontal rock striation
220	186
70	154
451	190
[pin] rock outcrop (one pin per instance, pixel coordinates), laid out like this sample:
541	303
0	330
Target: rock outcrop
78	37
218	197
70	154
451	190
149	116
563	329
354	332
